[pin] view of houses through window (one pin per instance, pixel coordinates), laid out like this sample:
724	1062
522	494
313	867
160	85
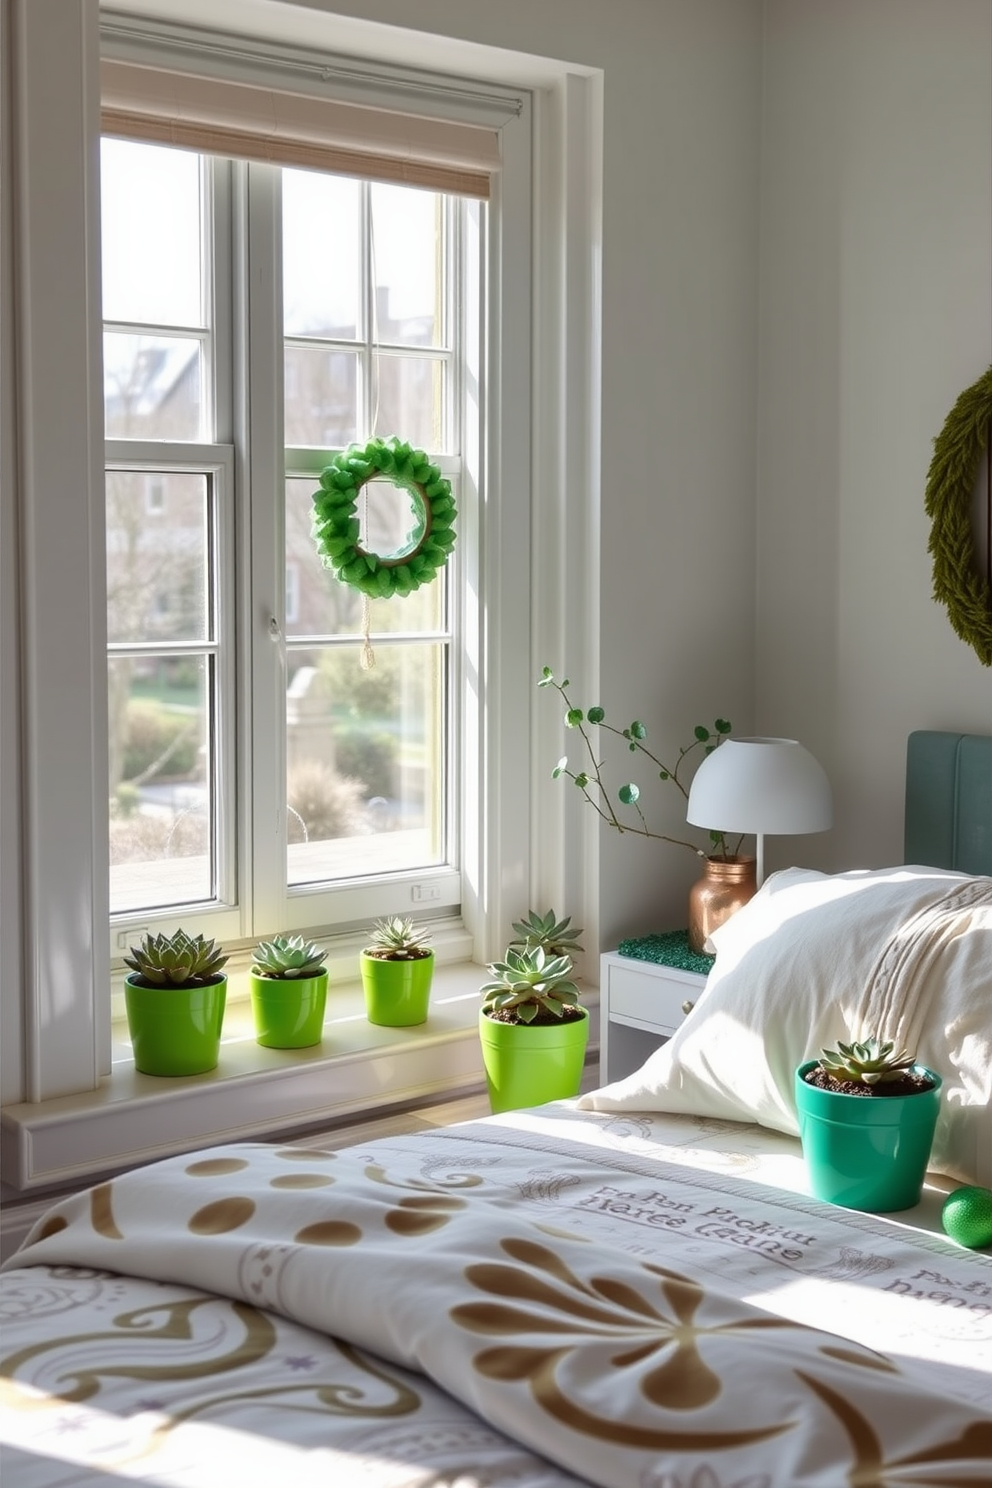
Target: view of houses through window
367	281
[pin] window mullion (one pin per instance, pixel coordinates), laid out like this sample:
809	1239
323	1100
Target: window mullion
263	473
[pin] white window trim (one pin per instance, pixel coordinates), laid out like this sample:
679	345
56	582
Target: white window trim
550	446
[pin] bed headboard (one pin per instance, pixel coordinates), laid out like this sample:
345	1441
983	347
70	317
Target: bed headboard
949	801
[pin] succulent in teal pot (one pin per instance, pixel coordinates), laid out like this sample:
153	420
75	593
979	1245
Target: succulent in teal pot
288	987
175	994
867	1112
874	1062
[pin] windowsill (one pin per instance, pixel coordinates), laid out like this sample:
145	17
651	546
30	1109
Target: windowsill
132	1118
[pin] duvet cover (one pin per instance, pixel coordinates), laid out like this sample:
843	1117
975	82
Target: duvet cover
535	1300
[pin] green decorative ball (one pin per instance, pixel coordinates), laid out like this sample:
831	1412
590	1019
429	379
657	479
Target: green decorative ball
967	1217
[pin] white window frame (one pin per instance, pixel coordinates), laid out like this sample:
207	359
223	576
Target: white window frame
56	972
224	916
346	906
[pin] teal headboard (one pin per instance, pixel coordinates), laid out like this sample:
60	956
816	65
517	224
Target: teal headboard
949	801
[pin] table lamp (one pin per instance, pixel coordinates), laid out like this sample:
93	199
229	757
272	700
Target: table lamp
760	786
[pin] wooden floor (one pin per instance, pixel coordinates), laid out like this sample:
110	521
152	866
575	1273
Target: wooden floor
395	1123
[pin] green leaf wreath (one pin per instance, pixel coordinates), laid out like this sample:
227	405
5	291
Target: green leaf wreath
958	581
336	527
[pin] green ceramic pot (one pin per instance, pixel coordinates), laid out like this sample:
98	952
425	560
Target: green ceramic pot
867	1152
527	1065
397	993
288	1011
175	1030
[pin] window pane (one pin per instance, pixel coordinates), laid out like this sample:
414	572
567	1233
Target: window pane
407	265
157	546
409	400
364	762
152	387
151	234
160	797
321	391
320	254
325	606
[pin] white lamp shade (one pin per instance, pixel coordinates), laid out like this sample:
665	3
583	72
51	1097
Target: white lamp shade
762	786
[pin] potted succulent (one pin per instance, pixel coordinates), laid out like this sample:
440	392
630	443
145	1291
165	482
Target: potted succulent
729	878
397	973
175	995
288	987
556	936
532	1029
867	1114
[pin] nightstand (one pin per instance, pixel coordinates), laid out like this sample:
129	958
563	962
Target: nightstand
643	1001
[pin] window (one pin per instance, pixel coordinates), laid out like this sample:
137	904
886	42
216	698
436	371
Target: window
527	488
348	786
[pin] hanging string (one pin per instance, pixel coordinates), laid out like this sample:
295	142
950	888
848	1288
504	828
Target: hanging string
367	659
367	656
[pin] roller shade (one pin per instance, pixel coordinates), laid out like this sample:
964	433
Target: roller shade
248	122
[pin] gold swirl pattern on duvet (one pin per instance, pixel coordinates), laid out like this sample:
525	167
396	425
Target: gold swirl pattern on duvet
79	1385
871	1470
337	1399
378	1174
555	1301
102	1212
215	1167
222	1216
422	1213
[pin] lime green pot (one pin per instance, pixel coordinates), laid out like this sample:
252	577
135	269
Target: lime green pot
397	993
866	1152
175	1030
527	1065
288	1011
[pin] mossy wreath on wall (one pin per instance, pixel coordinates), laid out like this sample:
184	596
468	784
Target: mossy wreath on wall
958	580
337	527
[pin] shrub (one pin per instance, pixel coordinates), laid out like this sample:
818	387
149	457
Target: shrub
155	733
325	804
369	756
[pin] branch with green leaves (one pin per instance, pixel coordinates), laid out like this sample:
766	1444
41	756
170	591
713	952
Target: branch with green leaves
592	783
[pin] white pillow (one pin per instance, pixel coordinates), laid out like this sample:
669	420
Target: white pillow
902	952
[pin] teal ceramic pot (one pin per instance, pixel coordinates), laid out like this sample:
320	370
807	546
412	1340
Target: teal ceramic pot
397	993
288	1011
527	1065
175	1030
866	1152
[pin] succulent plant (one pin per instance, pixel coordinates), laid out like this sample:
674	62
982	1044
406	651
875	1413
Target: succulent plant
552	934
871	1062
396	938
528	982
177	960
288	957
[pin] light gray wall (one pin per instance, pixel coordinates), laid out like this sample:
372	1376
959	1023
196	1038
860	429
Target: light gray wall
876	312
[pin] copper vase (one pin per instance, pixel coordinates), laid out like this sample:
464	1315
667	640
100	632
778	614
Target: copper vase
725	887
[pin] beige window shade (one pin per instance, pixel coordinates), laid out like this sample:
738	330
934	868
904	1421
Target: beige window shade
253	123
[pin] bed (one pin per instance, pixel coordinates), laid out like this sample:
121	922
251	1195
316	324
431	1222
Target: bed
632	1289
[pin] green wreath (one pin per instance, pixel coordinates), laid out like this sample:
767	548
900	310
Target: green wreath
336	528
958	581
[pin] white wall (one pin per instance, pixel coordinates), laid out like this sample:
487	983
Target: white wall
876	312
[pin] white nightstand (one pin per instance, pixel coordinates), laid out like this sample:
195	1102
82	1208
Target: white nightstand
641	1004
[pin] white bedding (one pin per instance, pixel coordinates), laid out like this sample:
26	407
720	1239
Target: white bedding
538	1300
904	953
